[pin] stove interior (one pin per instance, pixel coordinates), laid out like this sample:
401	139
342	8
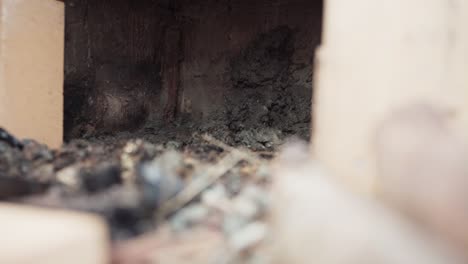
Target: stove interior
163	70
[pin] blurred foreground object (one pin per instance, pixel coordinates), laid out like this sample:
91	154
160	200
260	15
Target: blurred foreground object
423	170
31	69
197	246
32	235
377	56
314	221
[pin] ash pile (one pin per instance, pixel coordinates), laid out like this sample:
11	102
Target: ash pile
207	191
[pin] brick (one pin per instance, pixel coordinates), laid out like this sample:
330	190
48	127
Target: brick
31	69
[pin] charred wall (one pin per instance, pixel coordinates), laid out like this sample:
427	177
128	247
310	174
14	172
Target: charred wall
233	68
112	63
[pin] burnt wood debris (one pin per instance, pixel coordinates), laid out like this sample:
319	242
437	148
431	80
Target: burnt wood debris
5	136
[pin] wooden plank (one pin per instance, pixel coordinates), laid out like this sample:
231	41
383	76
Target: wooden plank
31	69
32	235
378	56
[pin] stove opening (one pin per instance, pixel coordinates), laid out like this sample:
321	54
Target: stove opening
163	70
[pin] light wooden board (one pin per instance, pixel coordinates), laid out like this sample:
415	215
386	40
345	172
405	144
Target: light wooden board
378	56
32	235
31	69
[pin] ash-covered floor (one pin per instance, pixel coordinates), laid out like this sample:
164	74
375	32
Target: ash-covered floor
159	192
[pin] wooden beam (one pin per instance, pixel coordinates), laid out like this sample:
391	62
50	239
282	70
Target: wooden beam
31	69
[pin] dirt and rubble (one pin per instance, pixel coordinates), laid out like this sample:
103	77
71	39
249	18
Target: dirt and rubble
148	193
